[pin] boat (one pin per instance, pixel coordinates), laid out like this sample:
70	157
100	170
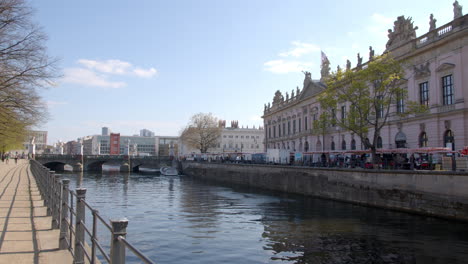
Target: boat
169	171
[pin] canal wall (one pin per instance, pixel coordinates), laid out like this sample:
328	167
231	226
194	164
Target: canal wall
437	193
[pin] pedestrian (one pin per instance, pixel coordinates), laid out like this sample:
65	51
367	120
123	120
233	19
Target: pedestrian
7	157
16	159
3	157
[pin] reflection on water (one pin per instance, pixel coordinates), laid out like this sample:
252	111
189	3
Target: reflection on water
185	220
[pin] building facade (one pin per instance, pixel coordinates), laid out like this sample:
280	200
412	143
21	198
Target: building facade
116	144
436	76
234	139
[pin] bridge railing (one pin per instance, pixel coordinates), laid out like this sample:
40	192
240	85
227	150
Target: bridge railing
76	156
68	211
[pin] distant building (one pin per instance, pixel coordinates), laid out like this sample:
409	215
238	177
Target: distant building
105	131
114	144
234	139
136	145
146	133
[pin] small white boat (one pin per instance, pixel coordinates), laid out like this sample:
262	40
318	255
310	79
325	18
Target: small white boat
169	171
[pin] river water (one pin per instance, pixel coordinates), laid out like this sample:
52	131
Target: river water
184	220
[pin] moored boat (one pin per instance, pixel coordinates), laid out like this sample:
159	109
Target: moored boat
169	171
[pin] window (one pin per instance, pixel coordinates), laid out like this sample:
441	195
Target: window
284	129
294	126
424	93
242	136
380	107
353	144
449	141
332	145
224	136
400	105
423	140
343	112
300	125
379	142
269	132
343	144
274	131
289	127
447	89
305	123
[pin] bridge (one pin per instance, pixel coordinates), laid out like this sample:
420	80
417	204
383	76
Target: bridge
94	162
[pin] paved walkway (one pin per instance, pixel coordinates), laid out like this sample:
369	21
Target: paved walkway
26	235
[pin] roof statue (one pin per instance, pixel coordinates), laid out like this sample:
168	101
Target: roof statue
292	93
325	67
278	98
403	31
307	78
457	10
359	60
348	65
287	96
432	22
371	53
297	90
31	141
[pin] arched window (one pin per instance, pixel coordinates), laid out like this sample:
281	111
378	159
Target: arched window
423	140
332	145
366	143
306	146
343	144
449	140
353	144
318	146
400	140
379	142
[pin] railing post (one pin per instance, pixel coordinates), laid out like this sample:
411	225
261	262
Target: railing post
79	229
117	253
56	202
49	191
63	218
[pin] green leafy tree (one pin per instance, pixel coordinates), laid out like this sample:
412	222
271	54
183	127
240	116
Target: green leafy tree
203	132
368	96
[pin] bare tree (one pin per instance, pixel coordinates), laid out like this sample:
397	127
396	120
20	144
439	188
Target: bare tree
203	132
24	68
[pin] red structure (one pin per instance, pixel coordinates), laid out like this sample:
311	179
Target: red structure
114	144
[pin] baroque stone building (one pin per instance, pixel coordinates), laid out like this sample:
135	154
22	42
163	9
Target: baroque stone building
437	76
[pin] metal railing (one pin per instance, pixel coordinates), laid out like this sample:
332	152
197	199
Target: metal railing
68	211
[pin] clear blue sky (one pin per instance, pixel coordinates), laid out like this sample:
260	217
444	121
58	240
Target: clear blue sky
152	64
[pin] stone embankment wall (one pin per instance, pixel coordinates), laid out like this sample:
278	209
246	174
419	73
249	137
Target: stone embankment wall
437	193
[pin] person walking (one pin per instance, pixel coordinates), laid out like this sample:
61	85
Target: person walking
16	159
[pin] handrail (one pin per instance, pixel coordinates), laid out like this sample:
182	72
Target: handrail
134	250
64	205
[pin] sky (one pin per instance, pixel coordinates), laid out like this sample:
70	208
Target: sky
152	64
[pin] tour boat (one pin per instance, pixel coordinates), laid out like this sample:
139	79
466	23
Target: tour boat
169	171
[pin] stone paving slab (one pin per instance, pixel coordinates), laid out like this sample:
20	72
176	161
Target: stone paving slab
25	230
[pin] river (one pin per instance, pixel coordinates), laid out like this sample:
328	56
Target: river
184	220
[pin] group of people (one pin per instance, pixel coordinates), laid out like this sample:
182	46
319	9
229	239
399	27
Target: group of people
6	156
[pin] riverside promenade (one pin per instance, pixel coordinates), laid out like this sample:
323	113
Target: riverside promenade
26	235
